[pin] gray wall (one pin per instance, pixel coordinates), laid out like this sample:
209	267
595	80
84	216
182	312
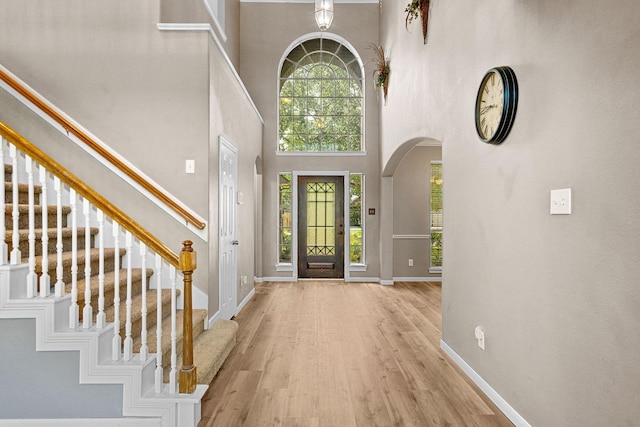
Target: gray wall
235	119
557	295
411	208
143	92
156	97
25	374
195	11
268	29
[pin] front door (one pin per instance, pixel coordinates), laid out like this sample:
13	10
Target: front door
227	224
320	226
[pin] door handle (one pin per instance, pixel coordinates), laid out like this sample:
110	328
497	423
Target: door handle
235	243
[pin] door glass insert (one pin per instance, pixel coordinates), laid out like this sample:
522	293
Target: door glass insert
321	227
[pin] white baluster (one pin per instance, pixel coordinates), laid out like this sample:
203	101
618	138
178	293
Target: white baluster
87	312
32	278
74	309
128	341
159	371
144	348
101	318
45	280
116	344
4	248
59	288
173	374
16	256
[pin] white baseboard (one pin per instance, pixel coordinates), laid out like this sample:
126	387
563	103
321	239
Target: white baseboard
213	319
277	279
510	413
357	279
245	300
216	316
418	279
96	422
363	279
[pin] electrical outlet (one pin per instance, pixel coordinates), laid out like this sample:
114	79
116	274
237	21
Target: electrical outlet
410	262
560	202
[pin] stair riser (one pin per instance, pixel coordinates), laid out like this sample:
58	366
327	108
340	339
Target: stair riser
23	221
136	324
198	328
136	288
51	244
66	269
23	195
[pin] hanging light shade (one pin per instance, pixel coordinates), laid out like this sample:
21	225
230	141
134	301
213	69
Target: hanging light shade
324	14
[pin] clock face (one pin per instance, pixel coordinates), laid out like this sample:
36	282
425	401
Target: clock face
491	104
496	104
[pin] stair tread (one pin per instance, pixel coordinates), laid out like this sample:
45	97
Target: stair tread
211	348
199	317
22	188
51	232
24	209
136	275
136	307
67	256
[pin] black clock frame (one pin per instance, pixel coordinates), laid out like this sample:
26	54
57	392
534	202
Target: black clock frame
510	104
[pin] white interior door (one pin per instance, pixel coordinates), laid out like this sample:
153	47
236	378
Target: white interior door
227	243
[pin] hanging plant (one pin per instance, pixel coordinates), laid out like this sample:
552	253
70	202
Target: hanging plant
418	8
382	69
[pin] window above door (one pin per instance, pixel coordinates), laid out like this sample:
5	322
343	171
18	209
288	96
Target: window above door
320	99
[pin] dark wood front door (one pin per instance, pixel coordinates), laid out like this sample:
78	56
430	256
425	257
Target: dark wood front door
321	227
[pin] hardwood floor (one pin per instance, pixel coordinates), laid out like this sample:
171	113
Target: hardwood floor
321	353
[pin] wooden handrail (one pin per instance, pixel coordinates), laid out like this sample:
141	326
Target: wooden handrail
88	193
71	128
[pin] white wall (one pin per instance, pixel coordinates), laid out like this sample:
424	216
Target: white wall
557	295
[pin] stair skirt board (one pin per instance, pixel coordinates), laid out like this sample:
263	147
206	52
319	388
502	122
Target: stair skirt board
213	319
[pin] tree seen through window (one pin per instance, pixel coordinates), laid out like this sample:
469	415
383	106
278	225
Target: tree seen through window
320	99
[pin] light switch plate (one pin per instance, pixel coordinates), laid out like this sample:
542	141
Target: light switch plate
560	203
190	166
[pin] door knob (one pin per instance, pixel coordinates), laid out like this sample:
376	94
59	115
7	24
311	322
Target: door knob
235	243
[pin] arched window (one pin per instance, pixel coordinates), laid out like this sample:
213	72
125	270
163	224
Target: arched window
321	98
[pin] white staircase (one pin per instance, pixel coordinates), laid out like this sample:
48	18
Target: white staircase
106	309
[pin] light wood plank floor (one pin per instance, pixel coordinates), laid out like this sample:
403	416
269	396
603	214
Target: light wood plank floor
321	353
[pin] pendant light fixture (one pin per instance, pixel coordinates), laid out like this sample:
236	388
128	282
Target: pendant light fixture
324	14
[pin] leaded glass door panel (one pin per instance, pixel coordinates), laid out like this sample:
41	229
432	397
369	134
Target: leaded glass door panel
321	227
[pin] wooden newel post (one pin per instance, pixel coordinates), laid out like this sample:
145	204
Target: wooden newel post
187	378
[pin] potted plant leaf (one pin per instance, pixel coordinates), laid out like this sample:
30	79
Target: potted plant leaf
418	8
382	69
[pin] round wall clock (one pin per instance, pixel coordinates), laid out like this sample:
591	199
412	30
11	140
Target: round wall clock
496	104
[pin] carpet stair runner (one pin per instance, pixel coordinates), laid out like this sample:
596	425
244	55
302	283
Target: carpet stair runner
211	347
